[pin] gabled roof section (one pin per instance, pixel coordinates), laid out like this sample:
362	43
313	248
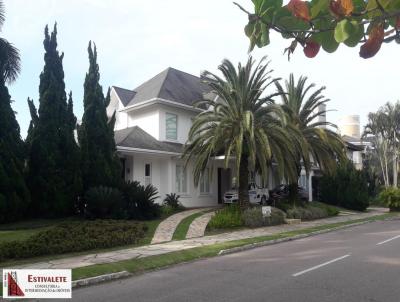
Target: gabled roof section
171	84
124	95
136	137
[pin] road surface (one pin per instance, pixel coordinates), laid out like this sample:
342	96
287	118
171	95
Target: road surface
353	265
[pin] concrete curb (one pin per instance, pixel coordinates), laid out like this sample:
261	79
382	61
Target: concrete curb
100	279
296	237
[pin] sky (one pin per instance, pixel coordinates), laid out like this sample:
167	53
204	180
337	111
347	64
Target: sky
137	39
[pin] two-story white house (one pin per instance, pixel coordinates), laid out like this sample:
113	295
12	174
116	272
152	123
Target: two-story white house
152	126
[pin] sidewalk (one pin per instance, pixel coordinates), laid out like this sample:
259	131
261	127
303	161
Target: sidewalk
163	248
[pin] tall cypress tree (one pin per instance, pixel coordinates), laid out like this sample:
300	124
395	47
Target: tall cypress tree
100	165
54	159
14	194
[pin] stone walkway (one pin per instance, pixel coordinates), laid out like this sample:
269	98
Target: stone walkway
166	228
172	246
198	226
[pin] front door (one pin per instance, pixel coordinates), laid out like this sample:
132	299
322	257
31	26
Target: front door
224	183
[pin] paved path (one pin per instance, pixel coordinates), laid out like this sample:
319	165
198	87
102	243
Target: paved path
360	264
198	226
172	246
166	228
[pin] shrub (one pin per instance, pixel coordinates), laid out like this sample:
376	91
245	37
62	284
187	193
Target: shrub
140	201
277	217
172	200
253	218
228	217
390	197
104	202
331	210
311	211
347	188
74	237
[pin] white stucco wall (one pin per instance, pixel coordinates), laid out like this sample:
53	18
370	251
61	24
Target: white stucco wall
148	119
164	178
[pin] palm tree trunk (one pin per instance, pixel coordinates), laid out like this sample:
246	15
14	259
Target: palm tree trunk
244	182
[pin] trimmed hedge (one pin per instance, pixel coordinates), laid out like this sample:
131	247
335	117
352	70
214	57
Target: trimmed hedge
347	188
312	211
74	237
253	217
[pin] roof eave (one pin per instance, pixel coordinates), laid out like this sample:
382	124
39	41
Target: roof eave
146	151
160	101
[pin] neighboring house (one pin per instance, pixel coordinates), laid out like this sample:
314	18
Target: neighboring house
355	149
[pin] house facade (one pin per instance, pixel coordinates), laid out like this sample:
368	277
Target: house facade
152	125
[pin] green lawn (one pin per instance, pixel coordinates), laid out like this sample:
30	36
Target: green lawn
24	229
183	227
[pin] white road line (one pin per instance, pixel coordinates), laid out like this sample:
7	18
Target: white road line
395	237
320	265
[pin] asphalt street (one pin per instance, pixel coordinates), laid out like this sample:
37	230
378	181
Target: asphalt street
352	265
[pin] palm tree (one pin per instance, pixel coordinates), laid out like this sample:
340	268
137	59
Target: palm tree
241	124
9	55
305	112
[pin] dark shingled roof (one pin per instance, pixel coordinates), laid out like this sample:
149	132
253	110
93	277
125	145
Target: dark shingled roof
136	137
124	95
353	147
171	84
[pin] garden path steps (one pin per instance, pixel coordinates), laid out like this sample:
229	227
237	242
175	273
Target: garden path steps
198	226
173	246
166	228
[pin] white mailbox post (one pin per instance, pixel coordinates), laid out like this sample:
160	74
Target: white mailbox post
266	211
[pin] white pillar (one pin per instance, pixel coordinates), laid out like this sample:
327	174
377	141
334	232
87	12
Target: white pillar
310	197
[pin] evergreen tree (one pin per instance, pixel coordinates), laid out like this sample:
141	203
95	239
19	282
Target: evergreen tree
32	125
54	156
14	194
100	165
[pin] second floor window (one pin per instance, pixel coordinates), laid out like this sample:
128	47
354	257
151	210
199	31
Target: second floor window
171	126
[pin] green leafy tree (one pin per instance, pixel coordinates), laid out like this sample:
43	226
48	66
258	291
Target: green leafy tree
384	129
14	194
100	165
242	124
305	112
54	155
325	23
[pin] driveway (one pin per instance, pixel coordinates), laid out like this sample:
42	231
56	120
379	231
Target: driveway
351	265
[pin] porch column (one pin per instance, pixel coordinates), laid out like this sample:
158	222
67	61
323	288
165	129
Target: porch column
310	197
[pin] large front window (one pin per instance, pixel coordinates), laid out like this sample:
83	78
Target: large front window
147	174
205	182
181	179
171	126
